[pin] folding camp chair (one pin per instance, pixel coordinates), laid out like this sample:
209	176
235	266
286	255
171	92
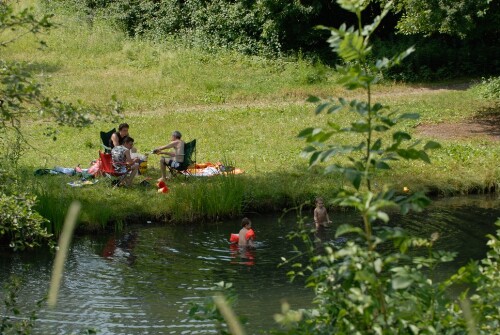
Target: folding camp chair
107	169
105	138
189	153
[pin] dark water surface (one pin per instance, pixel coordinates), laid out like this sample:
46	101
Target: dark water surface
143	280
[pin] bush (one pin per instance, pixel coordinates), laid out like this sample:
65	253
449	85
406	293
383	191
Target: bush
20	225
489	88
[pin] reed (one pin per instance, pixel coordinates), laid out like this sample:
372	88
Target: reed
52	202
211	198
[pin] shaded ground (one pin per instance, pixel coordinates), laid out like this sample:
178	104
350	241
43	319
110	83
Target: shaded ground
485	124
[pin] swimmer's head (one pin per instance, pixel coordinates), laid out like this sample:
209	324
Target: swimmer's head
246	221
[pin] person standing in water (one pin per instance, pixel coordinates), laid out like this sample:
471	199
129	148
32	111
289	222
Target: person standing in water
321	219
246	234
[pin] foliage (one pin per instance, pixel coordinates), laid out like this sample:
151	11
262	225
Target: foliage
23	22
209	311
21	227
449	17
254	103
247	26
439	58
382	280
21	99
379	282
376	119
489	88
270	28
13	320
477	307
22	95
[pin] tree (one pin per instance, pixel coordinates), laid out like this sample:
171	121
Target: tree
21	95
21	99
451	17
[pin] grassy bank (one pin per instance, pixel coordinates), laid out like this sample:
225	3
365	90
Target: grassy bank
245	110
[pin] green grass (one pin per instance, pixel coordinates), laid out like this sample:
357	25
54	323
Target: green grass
247	110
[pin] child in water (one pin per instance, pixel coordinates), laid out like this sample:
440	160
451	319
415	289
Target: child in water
321	219
246	234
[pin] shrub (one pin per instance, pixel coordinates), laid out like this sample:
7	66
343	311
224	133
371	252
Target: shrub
489	88
20	226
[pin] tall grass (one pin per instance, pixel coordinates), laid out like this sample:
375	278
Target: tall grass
214	198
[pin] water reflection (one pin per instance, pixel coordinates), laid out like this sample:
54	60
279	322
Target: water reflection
143	280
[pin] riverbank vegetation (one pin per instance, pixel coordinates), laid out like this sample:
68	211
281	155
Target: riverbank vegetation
375	159
245	109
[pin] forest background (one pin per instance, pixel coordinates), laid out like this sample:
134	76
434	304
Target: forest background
453	38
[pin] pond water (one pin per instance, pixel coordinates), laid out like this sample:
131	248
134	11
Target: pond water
144	279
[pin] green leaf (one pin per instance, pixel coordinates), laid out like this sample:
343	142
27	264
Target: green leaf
334	109
401	283
381	128
322	107
396	60
387	121
377	145
353	6
314	158
313	99
309	149
409	116
424	157
383	216
409	153
347	229
382	63
360	126
305	132
401	136
382	165
376	107
432	145
356	181
351	47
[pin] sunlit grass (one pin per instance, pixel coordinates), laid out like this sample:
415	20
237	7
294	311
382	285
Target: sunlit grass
247	110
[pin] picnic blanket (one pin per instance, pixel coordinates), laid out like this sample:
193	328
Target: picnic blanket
209	169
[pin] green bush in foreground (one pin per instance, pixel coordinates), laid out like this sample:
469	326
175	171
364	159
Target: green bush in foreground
381	281
21	227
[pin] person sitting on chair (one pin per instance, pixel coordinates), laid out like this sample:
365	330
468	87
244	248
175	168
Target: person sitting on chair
117	137
175	158
123	163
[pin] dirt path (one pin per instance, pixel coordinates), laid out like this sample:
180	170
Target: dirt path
487	127
485	124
